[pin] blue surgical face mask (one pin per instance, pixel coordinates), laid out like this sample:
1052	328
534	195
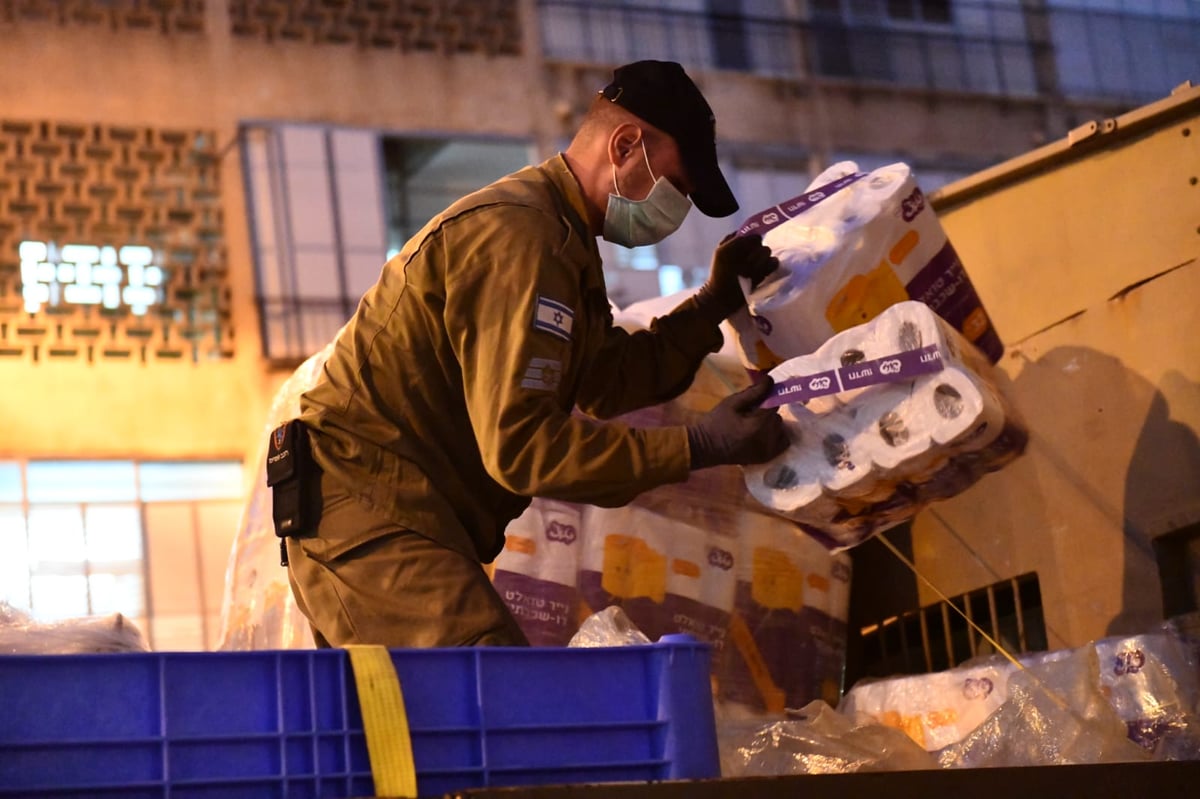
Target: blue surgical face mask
636	223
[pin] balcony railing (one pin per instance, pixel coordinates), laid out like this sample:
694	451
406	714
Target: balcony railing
989	47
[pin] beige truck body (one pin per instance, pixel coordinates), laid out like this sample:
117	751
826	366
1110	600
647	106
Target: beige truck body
1086	253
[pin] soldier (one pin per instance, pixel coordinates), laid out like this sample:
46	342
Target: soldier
447	401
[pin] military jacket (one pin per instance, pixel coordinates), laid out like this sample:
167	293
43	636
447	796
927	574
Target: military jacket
448	399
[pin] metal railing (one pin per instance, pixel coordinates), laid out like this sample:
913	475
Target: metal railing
935	637
987	47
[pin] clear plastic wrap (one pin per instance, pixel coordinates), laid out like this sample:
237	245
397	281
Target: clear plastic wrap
884	418
1056	714
1112	701
852	245
20	634
1153	684
815	740
938	709
608	627
1083	705
258	611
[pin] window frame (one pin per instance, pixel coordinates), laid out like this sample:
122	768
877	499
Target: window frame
139	501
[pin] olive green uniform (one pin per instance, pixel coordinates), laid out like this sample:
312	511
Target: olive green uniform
447	402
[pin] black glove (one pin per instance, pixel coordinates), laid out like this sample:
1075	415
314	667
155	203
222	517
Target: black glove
738	431
735	257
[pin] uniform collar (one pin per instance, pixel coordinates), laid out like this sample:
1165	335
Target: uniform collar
568	185
564	180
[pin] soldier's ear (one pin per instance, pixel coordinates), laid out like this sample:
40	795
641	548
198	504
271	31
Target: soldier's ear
623	141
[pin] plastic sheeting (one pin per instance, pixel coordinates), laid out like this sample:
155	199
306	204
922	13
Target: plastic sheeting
1115	700
1150	684
258	611
1055	714
854	244
884	418
608	627
20	634
815	740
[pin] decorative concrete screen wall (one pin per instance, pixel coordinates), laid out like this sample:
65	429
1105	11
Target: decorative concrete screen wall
446	26
168	16
111	244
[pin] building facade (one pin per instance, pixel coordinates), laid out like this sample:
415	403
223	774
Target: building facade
194	194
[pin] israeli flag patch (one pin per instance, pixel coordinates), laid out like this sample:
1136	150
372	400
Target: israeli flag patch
554	318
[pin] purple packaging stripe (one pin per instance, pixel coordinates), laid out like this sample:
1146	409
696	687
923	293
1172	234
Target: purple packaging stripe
944	285
889	369
776	215
803	388
901	366
544	610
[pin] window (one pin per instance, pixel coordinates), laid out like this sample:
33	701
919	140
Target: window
329	204
931	11
1134	52
904	11
426	175
74	533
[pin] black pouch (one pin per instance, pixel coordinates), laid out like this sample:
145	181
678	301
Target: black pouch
289	469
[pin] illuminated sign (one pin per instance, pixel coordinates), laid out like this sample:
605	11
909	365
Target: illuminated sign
83	274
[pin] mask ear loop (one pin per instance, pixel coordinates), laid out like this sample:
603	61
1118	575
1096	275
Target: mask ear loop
645	157
616	187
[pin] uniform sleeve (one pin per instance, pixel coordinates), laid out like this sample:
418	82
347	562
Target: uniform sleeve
646	367
510	302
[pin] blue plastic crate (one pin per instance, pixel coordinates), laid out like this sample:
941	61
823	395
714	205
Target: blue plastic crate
287	723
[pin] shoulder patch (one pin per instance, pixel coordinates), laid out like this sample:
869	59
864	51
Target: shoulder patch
554	318
542	374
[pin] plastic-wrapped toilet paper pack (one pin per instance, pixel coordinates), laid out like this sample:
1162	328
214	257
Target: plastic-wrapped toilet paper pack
535	573
851	246
1153	683
700	576
1150	681
624	562
935	710
883	419
787	634
667	564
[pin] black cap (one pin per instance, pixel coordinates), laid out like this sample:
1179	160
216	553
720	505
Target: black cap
661	93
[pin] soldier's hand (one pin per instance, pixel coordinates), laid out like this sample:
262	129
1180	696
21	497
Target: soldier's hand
735	257
738	431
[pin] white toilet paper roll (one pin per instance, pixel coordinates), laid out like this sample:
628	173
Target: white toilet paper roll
886	185
792	481
889	438
903	327
961	412
839	170
845	468
801	250
884	417
845	256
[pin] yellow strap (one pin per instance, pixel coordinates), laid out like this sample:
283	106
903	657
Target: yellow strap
384	721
